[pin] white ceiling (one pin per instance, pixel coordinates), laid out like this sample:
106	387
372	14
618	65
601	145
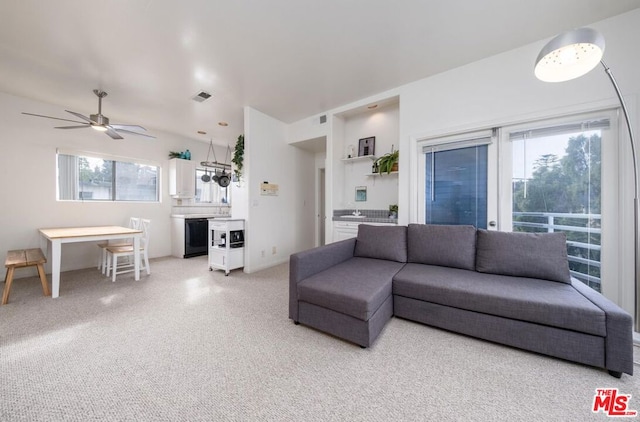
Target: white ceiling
287	58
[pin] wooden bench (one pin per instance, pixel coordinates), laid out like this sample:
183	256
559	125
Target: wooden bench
24	258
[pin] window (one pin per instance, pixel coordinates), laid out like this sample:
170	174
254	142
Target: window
93	178
210	191
455	186
564	175
556	186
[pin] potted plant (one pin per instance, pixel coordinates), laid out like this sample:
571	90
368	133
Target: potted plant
238	156
393	211
388	162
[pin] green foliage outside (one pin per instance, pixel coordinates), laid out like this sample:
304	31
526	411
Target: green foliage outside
97	175
568	184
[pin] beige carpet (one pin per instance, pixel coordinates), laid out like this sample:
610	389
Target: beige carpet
186	344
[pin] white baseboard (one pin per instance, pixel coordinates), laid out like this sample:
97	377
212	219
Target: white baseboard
261	267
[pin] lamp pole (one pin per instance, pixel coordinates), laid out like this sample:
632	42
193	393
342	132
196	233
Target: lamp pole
636	237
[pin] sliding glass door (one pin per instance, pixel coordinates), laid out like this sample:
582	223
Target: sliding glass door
455	186
560	175
557	186
554	175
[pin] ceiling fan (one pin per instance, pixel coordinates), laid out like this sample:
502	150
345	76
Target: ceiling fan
98	121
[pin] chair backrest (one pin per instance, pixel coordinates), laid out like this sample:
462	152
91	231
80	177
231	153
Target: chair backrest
145	226
134	223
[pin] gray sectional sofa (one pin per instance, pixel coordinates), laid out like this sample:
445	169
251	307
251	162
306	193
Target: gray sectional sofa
509	288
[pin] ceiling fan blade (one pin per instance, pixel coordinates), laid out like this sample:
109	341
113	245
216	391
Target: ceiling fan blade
80	116
73	127
132	132
127	127
111	132
49	117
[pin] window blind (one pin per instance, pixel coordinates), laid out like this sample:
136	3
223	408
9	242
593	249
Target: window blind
586	125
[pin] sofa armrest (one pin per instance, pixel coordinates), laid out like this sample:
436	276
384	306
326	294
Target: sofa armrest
619	324
307	263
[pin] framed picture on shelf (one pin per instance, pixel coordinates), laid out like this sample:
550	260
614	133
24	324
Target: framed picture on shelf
366	146
361	193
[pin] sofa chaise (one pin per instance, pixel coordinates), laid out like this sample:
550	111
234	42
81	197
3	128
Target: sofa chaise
510	288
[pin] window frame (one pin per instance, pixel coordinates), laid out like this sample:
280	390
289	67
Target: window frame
115	160
198	198
455	141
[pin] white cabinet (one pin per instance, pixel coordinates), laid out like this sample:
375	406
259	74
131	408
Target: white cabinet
177	237
182	178
344	230
348	229
226	244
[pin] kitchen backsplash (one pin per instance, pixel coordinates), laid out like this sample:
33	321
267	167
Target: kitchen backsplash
201	209
368	213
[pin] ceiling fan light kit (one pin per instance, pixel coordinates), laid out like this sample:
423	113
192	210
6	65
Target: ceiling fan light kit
98	121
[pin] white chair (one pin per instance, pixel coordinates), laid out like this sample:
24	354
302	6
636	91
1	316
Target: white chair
115	252
134	223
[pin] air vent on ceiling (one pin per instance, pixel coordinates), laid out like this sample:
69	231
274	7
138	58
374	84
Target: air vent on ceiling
201	96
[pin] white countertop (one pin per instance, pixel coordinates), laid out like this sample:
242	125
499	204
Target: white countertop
209	215
227	218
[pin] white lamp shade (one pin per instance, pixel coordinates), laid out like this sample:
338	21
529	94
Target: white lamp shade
570	55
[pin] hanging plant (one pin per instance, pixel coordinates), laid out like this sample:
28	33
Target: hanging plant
238	156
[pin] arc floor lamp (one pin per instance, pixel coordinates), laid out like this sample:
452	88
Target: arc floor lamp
569	56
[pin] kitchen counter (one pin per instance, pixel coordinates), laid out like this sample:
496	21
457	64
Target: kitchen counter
205	215
365	219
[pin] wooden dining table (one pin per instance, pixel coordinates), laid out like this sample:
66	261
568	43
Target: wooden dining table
53	238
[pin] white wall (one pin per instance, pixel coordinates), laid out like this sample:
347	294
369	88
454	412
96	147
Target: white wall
28	185
309	128
285	221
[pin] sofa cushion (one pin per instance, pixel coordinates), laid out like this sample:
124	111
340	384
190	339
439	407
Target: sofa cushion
533	300
356	287
382	242
449	246
534	255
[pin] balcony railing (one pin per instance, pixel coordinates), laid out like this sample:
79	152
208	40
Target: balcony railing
575	226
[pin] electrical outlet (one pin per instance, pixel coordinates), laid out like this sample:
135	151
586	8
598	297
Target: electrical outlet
273	250
262	253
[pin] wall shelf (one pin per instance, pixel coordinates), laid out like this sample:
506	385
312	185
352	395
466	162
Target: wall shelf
384	174
361	158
